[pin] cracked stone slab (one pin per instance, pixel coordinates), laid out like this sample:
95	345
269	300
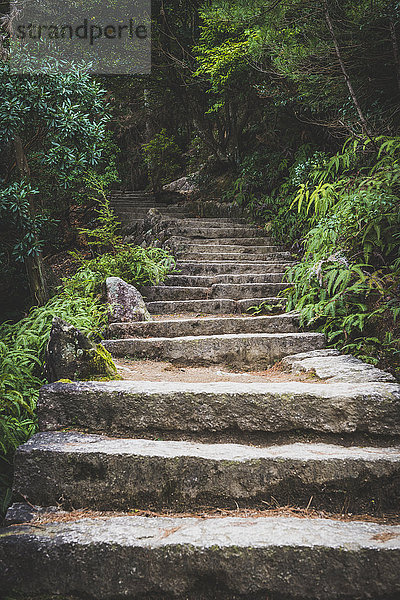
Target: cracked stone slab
241	349
336	367
286	323
120	557
213	306
125	407
89	471
196	267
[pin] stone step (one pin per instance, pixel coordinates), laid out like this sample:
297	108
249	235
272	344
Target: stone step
138	408
253	241
168	293
141	213
223	249
217	291
121	557
256	350
207	232
208	281
221	267
286	323
236	256
100	473
217	223
210	307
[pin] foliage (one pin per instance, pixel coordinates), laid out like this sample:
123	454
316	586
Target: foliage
266	308
162	156
53	132
348	281
104	237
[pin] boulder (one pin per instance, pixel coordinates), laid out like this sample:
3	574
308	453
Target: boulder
184	185
126	303
71	355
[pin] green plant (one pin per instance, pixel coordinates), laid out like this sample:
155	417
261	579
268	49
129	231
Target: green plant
104	237
266	308
348	282
162	157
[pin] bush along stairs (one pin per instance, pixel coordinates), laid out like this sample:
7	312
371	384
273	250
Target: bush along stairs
179	489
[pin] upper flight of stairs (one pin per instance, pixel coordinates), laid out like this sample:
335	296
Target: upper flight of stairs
201	448
230	284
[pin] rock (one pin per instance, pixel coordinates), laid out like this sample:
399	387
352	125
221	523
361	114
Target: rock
184	185
22	512
335	367
102	473
127	557
128	408
71	355
126	302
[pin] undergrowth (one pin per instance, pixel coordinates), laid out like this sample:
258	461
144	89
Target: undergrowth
341	214
347	284
79	301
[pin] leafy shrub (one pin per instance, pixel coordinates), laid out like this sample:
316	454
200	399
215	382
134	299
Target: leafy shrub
162	157
348	283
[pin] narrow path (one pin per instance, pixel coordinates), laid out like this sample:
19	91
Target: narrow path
184	451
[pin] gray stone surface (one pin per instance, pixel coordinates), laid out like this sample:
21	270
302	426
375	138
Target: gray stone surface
246	256
22	512
192	246
120	474
126	302
136	557
134	407
256	350
245	241
285	323
210	231
210	307
71	355
336	367
196	267
208	281
217	291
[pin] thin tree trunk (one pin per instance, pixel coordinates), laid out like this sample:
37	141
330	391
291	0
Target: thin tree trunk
395	46
33	264
345	72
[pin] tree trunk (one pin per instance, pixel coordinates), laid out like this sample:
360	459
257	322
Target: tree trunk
33	264
395	46
346	76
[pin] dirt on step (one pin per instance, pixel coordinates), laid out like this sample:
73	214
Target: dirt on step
151	370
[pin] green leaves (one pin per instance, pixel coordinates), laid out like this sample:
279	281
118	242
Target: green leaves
352	204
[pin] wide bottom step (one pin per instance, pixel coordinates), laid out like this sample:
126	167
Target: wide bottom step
96	472
124	557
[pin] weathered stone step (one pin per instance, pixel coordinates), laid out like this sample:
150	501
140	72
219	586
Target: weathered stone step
217	291
209	280
141	213
100	473
255	350
211	307
245	256
222	267
217	223
167	293
253	241
223	249
208	232
123	557
130	408
286	323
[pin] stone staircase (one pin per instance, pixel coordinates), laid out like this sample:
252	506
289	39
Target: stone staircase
217	462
